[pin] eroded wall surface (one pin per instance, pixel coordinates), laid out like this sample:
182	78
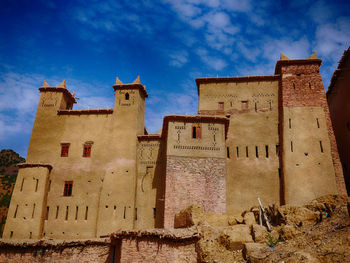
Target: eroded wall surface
150	183
155	250
195	168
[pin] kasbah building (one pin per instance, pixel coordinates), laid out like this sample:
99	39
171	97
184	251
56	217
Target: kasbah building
91	172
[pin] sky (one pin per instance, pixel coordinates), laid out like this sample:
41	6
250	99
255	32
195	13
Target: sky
168	43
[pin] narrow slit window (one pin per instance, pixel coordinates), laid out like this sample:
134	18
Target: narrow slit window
15	214
57	210
47	213
127	96
237	152
291	146
86	212
65	149
68	188
246	151
309	85
154	212
11	234
76	212
321	147
214	138
231	103
267	151
196	132
244	105
221	106
318	123
36	184
256	151
293	85
87	150
30	235
277	150
124	212
256	107
228	152
33	211
135	213
290	123
22	185
67	212
270	105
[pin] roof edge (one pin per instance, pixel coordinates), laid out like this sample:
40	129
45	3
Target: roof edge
64	90
338	70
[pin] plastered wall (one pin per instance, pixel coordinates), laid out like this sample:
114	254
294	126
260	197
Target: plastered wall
150	183
238	96
301	86
27	208
103	195
251	156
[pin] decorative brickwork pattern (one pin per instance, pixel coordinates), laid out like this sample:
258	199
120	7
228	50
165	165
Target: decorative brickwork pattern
194	181
301	86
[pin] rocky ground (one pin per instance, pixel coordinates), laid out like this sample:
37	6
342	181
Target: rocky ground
316	232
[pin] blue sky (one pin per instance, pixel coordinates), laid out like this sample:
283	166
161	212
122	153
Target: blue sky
168	43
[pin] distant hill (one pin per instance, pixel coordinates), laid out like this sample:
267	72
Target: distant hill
8	176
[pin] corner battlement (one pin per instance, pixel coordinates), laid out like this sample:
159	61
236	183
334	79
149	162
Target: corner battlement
286	61
60	88
136	84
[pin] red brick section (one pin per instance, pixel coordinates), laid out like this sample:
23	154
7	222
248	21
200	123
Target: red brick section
194	181
308	91
155	250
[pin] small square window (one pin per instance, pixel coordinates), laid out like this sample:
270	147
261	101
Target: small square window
244	105
196	131
221	105
64	149
68	188
87	150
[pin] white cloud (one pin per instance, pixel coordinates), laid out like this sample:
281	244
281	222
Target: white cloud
293	49
179	58
213	62
332	39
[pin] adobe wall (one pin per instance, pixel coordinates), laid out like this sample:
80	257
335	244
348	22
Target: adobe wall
103	196
252	159
150	182
155	250
86	251
338	100
307	136
28	203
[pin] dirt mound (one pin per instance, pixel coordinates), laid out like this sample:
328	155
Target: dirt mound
318	231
